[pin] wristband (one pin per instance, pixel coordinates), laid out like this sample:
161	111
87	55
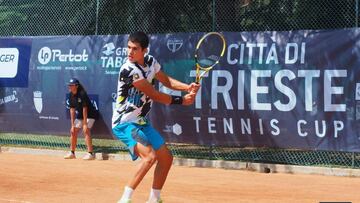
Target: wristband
176	100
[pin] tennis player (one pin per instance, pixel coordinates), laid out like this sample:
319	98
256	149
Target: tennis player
82	115
135	95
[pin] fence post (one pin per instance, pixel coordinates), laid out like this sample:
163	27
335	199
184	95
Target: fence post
213	15
211	151
97	17
353	160
357	13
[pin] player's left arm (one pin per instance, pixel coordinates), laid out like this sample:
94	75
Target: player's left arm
84	104
174	84
85	117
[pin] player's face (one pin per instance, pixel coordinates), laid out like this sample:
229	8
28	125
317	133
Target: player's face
72	89
135	52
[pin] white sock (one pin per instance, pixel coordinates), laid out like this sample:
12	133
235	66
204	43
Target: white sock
128	191
154	194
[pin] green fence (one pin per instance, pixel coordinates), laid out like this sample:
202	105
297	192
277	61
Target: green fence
102	17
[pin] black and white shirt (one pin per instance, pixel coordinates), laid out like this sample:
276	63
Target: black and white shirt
131	104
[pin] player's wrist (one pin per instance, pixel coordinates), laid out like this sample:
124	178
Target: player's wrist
176	100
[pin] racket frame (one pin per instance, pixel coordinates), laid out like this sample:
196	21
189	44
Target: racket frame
201	71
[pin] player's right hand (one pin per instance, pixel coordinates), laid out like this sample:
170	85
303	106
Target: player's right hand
189	99
194	87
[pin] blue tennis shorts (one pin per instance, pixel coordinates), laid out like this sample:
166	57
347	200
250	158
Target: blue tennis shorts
132	133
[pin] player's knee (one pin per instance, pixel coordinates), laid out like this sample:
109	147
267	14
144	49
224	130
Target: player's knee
87	135
166	160
150	159
170	159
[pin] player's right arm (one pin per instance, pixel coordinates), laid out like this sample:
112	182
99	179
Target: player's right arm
144	86
72	105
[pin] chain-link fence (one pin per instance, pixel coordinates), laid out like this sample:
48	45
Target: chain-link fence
102	17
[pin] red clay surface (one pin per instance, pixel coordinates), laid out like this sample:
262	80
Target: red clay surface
42	178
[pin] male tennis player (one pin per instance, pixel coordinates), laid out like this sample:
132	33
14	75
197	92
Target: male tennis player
135	95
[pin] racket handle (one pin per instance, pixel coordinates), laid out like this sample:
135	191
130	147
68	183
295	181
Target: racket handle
197	79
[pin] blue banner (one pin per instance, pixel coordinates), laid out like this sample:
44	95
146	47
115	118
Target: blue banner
14	62
296	89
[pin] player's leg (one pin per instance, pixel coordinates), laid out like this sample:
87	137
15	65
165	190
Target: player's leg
73	139
148	158
73	143
137	143
88	140
164	162
164	158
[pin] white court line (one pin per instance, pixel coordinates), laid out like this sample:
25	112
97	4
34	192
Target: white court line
13	200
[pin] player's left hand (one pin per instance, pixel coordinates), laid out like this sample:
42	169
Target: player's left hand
194	87
189	99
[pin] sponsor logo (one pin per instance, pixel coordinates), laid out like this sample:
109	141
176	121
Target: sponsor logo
109	49
136	76
10	98
44	55
52	59
38	101
176	129
15	54
113	58
174	44
9	61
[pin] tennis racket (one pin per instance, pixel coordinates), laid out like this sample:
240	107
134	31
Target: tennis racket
208	52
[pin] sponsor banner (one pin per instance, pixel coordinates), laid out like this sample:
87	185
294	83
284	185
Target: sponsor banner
112	54
62	54
10	97
271	89
14	62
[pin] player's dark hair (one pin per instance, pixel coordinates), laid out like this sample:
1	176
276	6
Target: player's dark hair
141	38
81	88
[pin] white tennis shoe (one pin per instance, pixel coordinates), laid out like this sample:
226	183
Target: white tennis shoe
124	201
89	156
70	155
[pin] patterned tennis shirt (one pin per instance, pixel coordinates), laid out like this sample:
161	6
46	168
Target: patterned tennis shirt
131	104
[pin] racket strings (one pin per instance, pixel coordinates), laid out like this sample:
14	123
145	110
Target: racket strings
210	50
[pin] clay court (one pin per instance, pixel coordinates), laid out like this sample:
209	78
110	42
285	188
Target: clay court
44	178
